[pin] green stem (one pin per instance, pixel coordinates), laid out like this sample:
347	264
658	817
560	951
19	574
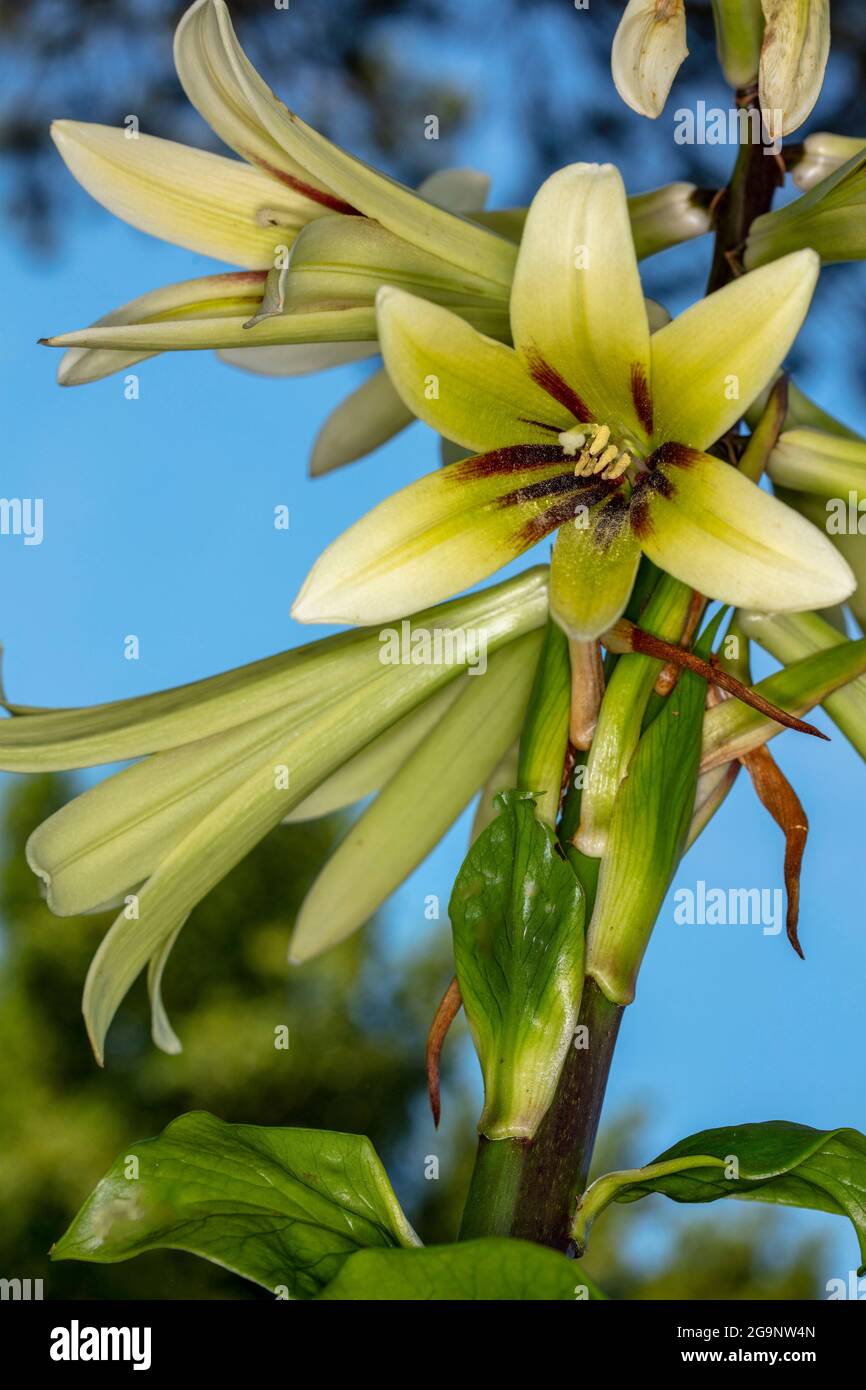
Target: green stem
494	1189
557	1164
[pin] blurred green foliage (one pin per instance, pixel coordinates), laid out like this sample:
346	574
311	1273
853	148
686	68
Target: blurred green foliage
355	1062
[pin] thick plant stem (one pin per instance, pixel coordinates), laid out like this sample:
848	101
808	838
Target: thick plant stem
557	1164
496	1178
756	176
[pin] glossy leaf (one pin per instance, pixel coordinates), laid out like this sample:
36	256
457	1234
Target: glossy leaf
776	1161
494	1269
282	1207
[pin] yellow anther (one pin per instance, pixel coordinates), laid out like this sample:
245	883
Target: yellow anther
617	469
572	440
606	459
586	463
602	435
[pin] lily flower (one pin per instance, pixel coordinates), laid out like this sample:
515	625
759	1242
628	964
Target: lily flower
298	735
590	426
315	308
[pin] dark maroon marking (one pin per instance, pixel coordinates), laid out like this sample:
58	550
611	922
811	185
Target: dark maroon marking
587	490
640	394
645	485
611	520
548	378
512	459
677	455
316	195
537	527
540	425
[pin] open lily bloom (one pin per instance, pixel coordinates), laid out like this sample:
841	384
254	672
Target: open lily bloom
306	302
223	761
589	426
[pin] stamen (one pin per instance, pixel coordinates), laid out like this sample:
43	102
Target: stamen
617	469
602	435
572	440
607	458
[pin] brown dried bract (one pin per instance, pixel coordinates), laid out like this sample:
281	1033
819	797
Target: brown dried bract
784	805
445	1015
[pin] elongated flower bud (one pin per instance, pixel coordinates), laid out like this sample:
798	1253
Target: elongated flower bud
651	819
648	48
829	218
822	154
827	466
739	29
668	215
793	58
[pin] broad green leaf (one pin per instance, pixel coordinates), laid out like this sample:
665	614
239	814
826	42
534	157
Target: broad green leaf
494	1269
517	914
778	1162
282	1207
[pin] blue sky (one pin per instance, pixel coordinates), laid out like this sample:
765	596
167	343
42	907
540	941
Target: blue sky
159	523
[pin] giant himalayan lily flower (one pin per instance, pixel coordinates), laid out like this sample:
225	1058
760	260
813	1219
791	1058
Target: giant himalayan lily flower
425	714
369	230
589	426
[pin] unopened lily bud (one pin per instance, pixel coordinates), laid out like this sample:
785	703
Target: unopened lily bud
668	215
544	738
826	466
790	637
739	29
650	823
793	58
829	218
802	410
732	728
849	542
822	154
648	48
